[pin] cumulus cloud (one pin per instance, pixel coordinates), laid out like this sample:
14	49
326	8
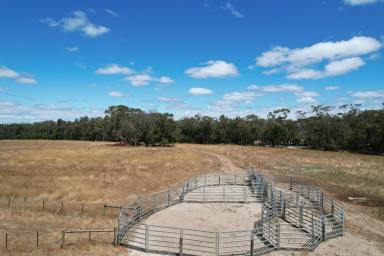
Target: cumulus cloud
139	80
116	94
230	8
200	91
360	2
213	68
16	76
302	95
230	100
72	49
334	68
165	80
77	21
113	69
331	88
340	57
362	97
14	112
136	79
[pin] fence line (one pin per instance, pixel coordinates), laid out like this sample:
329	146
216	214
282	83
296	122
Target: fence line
23	240
60	207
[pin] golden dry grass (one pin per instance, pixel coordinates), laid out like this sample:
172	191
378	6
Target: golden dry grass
98	172
340	173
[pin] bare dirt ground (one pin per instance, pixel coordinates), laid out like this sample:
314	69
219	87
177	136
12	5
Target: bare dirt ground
213	217
100	172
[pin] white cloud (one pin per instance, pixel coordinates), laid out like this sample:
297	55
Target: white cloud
8	73
302	95
113	69
334	68
77	21
139	80
331	88
19	78
230	100
200	91
13	112
229	7
213	68
165	80
115	94
72	49
26	80
342	57
360	2
109	11
168	99
136	79
368	94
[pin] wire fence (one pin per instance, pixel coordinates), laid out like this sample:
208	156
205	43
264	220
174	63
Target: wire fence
294	217
60	207
27	241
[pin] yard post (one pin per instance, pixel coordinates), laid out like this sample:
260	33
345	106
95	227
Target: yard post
63	239
313	232
244	194
62	207
89	236
323	225
114	236
146	237
282	198
105	209
181	243
217	243
169	198
333	207
204	193
6	241
43	205
37	239
9	201
290	183
252	242
301	215
82	208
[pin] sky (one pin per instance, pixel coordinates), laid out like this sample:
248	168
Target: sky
66	59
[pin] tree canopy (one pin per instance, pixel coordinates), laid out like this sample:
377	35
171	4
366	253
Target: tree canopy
323	127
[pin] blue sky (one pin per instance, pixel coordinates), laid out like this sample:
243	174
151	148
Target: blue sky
65	59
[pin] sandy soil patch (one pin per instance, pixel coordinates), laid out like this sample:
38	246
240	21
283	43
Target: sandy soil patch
209	217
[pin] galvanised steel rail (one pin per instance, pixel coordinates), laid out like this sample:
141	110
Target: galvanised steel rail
294	217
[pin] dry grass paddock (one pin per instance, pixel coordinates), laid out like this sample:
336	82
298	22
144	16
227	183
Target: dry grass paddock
99	172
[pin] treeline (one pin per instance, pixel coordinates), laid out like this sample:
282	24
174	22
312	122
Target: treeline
324	127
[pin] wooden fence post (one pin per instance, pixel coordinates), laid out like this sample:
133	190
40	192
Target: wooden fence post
43	205
37	239
82	208
62	207
63	239
115	236
290	183
9	201
89	236
6	241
